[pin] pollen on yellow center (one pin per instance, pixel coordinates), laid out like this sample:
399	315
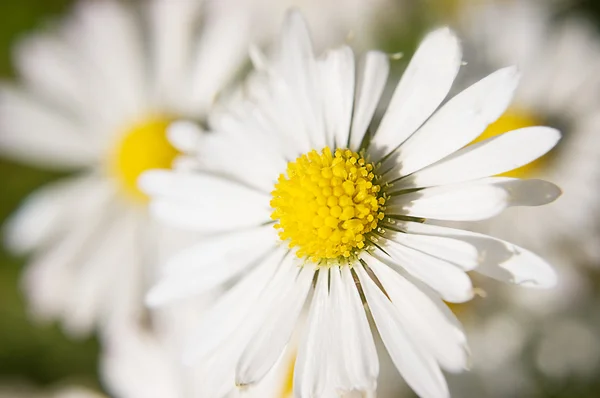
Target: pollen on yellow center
143	146
514	119
326	203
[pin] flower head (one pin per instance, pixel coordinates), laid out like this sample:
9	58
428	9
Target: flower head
306	197
95	96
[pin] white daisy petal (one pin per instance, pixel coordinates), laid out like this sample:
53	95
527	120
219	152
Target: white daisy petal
486	158
41	217
268	343
451	282
54	271
338	75
228	248
114	55
417	366
462	202
526	192
458	252
458	122
185	135
32	131
423	87
524	268
355	363
229	353
311	376
240	163
422	319
215	260
95	272
171	33
214	65
474	200
229	311
498	259
372	73
50	68
300	71
204	201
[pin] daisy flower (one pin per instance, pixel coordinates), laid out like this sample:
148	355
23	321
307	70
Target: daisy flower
96	97
307	201
558	59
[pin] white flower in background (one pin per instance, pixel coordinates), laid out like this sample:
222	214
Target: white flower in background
558	59
303	197
97	96
331	20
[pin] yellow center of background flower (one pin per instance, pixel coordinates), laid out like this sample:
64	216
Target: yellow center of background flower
514	119
326	202
144	146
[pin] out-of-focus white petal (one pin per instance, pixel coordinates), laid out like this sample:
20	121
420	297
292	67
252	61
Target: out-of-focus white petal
44	213
107	37
204	202
135	357
171	31
217	260
185	136
33	132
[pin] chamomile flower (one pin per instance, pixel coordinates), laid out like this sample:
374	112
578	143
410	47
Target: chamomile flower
96	97
309	203
558	57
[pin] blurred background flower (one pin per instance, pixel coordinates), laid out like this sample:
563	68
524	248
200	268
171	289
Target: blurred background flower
92	90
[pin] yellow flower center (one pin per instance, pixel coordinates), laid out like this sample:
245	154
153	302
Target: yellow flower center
514	119
326	203
144	146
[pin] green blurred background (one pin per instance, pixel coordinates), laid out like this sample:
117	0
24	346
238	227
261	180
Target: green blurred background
41	354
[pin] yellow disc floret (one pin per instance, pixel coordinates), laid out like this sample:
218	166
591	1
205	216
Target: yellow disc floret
326	203
143	146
